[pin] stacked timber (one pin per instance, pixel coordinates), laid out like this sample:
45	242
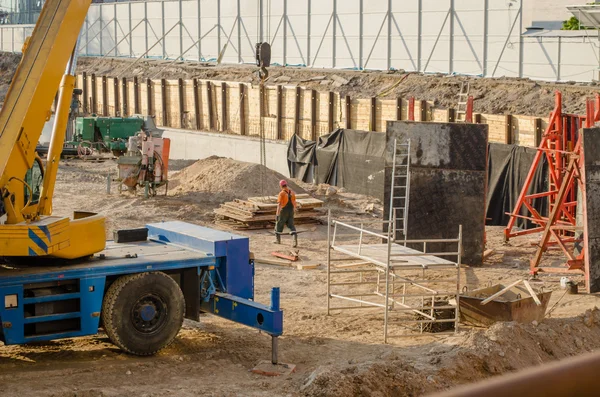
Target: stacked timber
259	212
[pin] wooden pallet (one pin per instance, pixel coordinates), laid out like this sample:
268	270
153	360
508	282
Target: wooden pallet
250	215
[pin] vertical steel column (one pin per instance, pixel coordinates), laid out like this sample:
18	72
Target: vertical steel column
360	34
181	29
163	100
94	94
297	112
260	21
419	33
199	31
209	102
146	27
136	96
279	112
162	20
373	118
520	39
130	34
115	32
451	44
285	25
486	6
389	36
181	97
330	114
558	62
197	104
101	27
334	35
219	28
308	33
116	97
348	112
313	114
239	31
85	93
399	108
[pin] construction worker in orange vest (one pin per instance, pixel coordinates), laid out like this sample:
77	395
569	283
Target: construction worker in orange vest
286	206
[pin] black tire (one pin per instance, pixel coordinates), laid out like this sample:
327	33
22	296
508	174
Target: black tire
142	313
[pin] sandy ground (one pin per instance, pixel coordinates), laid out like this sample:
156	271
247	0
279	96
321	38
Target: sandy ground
339	355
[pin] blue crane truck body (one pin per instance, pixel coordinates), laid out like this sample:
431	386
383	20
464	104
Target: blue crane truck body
132	290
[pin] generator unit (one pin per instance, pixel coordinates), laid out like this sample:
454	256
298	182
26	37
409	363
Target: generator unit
105	134
146	164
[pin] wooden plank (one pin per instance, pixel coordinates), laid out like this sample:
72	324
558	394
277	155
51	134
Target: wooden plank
85	93
508	131
274	262
279	112
292	256
136	96
538	131
488	253
350	265
149	97
181	98
163	99
125	97
197	105
348	112
313	114
224	126
308	265
104	97
297	112
94	94
211	115
330	113
373	115
116	96
499	293
532	293
274	198
242	109
451	115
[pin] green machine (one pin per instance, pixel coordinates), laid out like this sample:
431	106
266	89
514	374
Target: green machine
105	134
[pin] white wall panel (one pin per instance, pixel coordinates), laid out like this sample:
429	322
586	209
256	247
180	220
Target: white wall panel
447	36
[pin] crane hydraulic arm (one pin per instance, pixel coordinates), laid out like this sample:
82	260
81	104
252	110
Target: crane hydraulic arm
26	226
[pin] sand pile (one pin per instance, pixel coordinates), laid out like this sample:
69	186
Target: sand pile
228	179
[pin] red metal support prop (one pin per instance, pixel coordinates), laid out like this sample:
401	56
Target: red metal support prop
411	108
469	111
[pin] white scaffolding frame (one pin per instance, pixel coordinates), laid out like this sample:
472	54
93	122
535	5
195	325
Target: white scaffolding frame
393	272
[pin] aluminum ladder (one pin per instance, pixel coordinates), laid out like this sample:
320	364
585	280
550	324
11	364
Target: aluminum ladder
400	189
463	98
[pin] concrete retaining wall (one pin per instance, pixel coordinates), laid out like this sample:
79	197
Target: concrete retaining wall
197	145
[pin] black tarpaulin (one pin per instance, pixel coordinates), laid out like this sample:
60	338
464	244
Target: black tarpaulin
508	166
345	158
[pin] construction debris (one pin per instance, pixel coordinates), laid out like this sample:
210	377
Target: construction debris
291	256
259	212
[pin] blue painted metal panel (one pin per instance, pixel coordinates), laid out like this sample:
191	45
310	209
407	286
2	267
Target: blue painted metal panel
246	312
92	294
12	319
51	317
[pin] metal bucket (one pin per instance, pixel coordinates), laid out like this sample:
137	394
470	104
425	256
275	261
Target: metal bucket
514	305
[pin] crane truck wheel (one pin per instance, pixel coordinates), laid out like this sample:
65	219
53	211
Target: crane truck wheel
142	313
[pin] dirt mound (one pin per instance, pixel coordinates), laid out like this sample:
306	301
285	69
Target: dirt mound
228	179
8	66
478	354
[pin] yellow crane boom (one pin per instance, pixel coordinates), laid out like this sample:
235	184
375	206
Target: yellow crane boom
27	227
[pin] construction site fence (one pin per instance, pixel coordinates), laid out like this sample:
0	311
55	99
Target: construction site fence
236	108
470	37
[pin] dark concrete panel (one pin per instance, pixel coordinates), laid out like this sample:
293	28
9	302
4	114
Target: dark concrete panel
448	182
591	153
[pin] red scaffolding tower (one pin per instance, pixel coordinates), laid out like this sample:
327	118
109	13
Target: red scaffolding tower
561	148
